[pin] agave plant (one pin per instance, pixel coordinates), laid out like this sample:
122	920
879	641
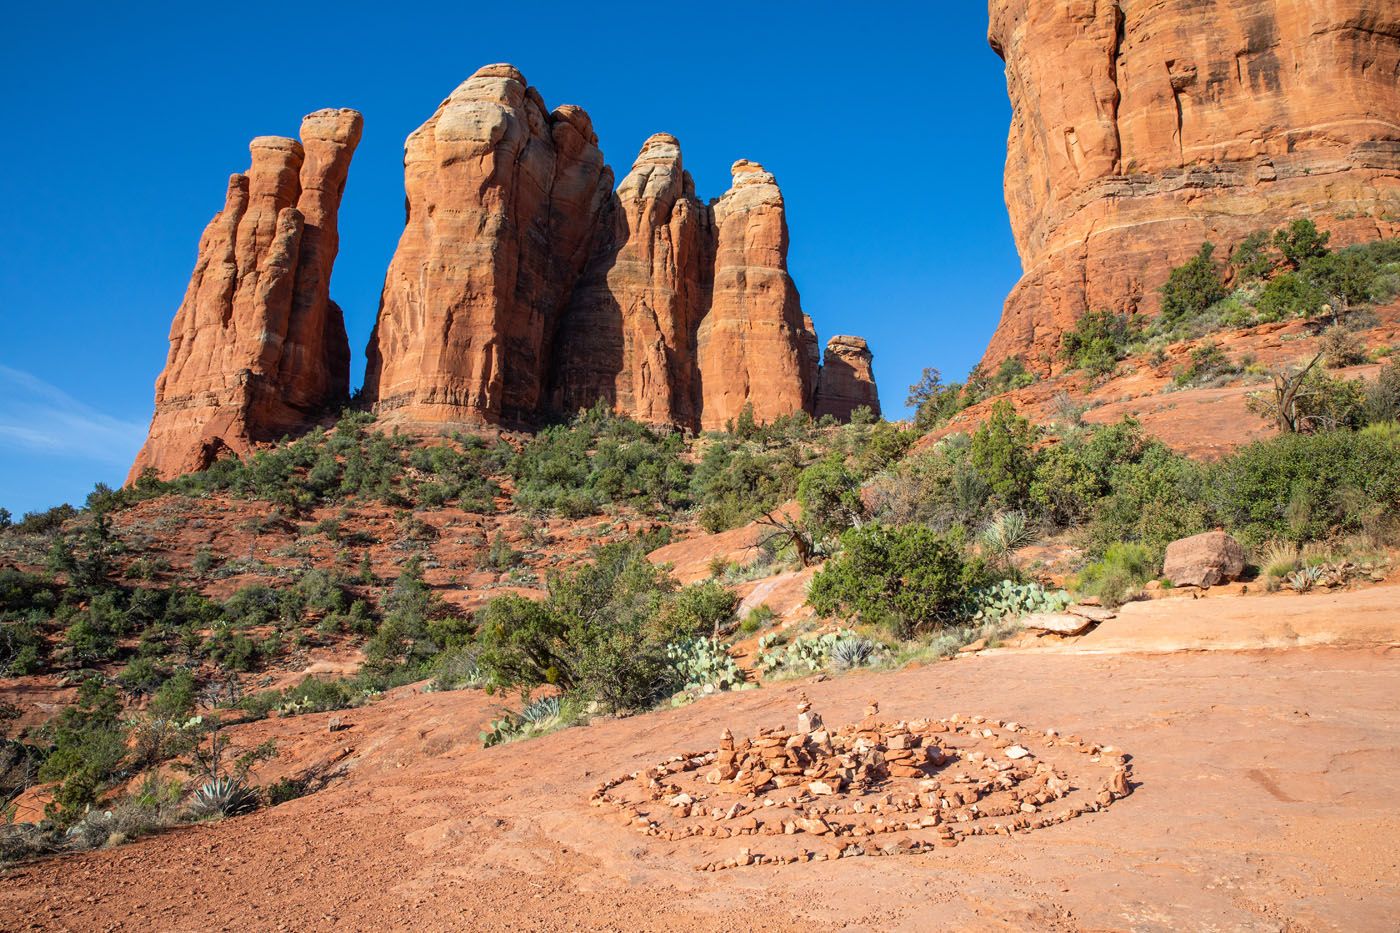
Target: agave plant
541	710
223	796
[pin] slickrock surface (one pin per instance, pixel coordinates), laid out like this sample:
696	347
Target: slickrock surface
869	788
1263	800
847	379
1140	130
257	348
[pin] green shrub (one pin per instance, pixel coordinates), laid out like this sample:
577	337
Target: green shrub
1290	295
87	750
1152	500
602	633
909	576
1098	341
1251	259
1208	361
1301	241
1003	455
1383	395
1307	487
1192	287
830	498
935	403
1122	570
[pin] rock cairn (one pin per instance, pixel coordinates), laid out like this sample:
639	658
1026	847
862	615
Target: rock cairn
869	788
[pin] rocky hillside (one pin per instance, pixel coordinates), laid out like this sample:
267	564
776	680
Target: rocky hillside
524	287
1141	130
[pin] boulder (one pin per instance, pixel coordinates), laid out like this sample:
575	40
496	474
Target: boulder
1204	560
1058	623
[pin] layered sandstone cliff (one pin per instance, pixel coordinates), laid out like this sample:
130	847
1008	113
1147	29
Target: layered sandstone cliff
257	348
1140	130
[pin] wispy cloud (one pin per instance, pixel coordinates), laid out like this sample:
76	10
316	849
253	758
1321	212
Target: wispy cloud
38	416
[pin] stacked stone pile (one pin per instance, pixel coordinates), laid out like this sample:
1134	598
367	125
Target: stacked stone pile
869	788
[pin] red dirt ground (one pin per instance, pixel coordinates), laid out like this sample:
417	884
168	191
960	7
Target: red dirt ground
1265	801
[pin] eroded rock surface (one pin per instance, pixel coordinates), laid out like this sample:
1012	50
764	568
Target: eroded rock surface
1140	130
525	288
847	379
503	199
257	348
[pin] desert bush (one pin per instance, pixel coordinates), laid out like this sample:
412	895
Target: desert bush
1342	347
1208	361
1003	455
599	459
830	498
933	401
602	633
1152	500
1302	487
909	577
1122	570
1383	395
1192	287
1098	341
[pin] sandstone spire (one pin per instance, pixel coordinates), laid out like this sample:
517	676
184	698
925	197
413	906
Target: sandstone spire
257	348
847	379
750	346
503	200
1140	130
628	335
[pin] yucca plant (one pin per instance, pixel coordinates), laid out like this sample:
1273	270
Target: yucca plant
1006	534
854	652
223	796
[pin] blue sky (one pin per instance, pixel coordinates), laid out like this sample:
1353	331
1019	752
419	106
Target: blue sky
886	130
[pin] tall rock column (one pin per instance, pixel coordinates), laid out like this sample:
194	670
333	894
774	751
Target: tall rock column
628	335
847	379
751	348
503	201
257	348
1140	130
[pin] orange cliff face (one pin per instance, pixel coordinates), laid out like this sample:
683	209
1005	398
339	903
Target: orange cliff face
257	348
1141	130
523	288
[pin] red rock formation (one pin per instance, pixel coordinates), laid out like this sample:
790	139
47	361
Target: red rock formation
1141	130
628	335
257	348
751	346
524	287
503	200
847	379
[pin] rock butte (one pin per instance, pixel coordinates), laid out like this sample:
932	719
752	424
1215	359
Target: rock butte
1140	130
523	287
257	348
